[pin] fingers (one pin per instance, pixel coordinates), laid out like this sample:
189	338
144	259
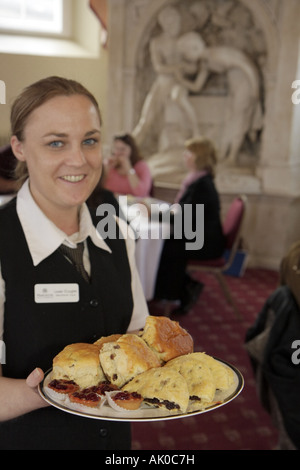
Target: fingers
35	377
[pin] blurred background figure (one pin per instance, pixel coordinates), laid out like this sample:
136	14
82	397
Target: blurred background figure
125	172
8	184
198	187
290	271
273	346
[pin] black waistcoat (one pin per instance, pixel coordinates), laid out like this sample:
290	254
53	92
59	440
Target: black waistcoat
35	332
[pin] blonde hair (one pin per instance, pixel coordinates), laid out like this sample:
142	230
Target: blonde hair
31	98
205	153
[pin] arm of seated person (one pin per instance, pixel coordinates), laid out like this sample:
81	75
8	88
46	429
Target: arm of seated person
20	396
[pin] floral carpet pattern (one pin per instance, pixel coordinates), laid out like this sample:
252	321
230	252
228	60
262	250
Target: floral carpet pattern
242	424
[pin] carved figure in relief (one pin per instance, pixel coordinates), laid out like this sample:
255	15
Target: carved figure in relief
243	82
165	60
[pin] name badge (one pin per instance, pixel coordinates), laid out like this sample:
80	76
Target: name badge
56	293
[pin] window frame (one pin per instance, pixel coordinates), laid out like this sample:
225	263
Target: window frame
66	13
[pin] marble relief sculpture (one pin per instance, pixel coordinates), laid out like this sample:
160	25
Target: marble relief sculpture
210	52
166	62
245	115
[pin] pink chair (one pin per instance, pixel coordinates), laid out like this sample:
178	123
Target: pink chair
232	227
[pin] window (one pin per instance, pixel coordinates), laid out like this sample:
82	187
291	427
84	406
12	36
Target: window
34	16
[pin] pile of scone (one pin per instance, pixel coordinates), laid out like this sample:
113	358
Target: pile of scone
157	367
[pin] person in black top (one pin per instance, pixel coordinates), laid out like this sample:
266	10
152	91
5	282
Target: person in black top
56	138
197	189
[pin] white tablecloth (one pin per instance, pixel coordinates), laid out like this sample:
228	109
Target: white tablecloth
148	251
5	198
143	215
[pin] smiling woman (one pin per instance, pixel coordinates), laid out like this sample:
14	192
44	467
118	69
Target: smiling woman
58	143
56	136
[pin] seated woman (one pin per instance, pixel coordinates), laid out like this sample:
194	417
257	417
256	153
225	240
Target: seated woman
197	188
125	171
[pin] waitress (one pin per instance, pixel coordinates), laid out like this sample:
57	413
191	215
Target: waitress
56	137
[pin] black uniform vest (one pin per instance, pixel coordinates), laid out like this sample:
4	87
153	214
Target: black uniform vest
35	332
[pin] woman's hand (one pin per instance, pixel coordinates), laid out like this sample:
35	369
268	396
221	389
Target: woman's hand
34	379
19	396
32	382
124	165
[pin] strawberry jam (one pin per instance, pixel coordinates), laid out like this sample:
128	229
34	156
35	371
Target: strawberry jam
63	386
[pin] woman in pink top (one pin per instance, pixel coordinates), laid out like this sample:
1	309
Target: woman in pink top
125	171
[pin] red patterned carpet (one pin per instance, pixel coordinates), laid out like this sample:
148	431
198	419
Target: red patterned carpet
242	424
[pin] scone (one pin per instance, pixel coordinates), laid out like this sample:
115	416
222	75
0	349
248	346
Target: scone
106	339
198	376
161	387
125	358
223	375
78	362
166	338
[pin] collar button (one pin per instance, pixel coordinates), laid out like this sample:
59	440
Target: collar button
94	303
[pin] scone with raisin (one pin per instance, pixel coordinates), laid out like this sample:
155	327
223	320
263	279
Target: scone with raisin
125	358
166	338
78	362
198	376
161	387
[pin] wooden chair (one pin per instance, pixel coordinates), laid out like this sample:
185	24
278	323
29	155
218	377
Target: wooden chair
232	227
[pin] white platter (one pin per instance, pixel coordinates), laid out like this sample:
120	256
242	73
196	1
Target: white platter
144	413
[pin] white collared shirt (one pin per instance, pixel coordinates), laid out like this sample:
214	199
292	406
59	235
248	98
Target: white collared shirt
41	246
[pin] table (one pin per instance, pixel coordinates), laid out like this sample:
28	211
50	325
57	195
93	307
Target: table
149	246
5	198
143	217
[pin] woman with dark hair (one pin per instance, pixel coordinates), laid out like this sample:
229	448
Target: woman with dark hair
125	171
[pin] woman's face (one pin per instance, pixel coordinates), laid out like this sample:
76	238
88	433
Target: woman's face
189	159
62	150
120	151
